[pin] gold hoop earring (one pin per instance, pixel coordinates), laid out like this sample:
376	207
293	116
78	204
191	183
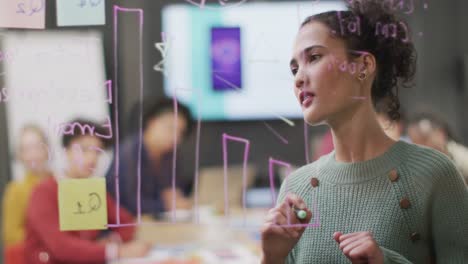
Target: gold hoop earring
362	76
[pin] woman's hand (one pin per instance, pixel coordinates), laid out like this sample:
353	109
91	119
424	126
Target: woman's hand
359	247
168	195
278	239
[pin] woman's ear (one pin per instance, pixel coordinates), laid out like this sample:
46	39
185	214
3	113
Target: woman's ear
368	65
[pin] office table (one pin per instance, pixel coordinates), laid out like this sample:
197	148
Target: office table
213	239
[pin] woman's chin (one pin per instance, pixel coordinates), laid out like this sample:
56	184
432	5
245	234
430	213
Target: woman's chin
312	118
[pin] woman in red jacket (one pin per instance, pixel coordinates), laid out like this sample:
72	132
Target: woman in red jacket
45	243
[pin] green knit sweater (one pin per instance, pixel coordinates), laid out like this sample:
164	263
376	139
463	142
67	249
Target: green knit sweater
411	198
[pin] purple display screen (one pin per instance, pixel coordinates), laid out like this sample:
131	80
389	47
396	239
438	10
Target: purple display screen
226	70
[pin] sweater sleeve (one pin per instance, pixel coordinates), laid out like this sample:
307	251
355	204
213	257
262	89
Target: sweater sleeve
43	219
126	233
449	217
391	257
13	215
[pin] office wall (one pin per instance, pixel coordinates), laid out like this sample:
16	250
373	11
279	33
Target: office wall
264	142
439	82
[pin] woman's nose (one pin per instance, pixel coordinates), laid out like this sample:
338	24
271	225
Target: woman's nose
299	80
299	84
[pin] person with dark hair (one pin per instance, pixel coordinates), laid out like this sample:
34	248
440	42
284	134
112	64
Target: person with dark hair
79	127
430	130
378	200
151	157
45	243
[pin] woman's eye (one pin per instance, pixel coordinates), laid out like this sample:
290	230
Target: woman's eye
294	71
314	57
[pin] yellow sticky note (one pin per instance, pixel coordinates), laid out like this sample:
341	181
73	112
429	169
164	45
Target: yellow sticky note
82	204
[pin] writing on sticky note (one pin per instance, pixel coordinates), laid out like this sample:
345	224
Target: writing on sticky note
82	204
22	13
80	12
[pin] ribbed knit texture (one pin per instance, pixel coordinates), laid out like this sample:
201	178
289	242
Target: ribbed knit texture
353	197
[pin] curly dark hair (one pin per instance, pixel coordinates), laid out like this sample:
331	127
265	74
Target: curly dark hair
384	36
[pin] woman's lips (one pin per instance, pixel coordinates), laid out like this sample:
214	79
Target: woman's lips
306	98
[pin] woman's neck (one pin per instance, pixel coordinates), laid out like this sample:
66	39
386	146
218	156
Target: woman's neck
358	136
68	174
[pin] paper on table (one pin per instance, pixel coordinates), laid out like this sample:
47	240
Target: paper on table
82	204
22	13
80	12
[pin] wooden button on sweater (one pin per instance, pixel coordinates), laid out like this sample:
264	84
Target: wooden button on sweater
405	203
393	176
314	182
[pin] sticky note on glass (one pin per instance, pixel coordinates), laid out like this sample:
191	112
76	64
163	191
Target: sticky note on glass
22	13
82	204
81	12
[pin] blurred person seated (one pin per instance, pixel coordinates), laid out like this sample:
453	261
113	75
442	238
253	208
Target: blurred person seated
325	145
32	152
393	128
45	243
429	130
159	133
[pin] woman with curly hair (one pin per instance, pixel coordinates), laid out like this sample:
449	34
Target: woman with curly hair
378	200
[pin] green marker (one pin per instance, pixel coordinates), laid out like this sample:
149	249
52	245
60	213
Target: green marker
300	214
